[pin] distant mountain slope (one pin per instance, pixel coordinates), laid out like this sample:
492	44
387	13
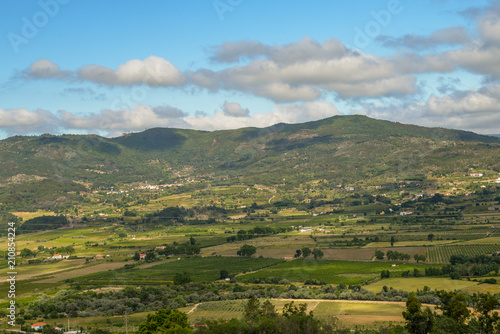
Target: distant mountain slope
341	148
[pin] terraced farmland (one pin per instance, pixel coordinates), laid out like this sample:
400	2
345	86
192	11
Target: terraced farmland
441	254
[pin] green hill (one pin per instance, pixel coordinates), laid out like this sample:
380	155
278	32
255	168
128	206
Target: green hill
341	149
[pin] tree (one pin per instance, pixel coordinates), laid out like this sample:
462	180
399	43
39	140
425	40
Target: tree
419	257
25	252
306	251
224	274
247	250
268	310
165	321
430	237
318	253
453	305
252	309
137	256
417	321
192	240
393	240
150	256
489	322
379	255
298	253
182	278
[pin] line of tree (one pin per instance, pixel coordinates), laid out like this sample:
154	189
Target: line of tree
395	255
306	251
257	232
43	223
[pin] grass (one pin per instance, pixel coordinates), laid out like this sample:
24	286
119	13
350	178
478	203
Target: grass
413	283
330	271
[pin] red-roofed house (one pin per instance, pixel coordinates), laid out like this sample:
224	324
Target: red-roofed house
38	325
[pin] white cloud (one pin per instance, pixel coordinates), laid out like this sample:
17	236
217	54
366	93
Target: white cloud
115	122
45	69
291	113
153	71
140	117
489	25
23	121
474	110
234	109
305	70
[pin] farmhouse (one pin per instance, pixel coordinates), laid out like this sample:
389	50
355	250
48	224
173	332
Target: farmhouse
38	325
99	257
405	213
57	257
142	257
476	174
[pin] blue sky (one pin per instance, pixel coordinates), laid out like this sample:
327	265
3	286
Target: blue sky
109	67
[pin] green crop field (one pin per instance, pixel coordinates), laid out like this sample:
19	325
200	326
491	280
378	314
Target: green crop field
441	254
199	268
330	271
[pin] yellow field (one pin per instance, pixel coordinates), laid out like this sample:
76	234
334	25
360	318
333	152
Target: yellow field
30	215
348	313
483	288
484	241
409	243
414	283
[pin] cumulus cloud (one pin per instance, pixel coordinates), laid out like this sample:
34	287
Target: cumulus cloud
474	110
234	109
482	56
290	113
153	71
115	122
45	69
489	25
23	121
305	70
305	49
140	117
447	36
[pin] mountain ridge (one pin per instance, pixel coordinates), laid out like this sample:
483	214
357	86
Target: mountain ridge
346	148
